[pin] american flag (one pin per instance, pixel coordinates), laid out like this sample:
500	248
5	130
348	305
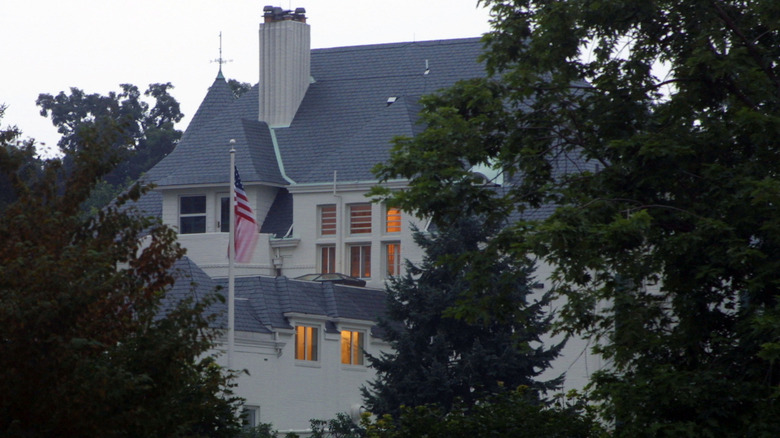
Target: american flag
246	225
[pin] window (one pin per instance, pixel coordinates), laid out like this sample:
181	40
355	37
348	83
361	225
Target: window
192	214
393	259
306	342
393	221
327	220
360	260
351	347
327	259
224	214
249	415
360	219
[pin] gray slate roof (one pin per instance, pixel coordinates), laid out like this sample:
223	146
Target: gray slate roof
344	122
262	301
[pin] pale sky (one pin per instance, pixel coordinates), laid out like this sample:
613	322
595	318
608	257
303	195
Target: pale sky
48	46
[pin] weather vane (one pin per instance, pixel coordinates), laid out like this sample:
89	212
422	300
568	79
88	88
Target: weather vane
221	60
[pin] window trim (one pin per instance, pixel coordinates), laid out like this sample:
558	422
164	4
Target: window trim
332	230
360	219
365	255
193	214
321	262
397	264
397	220
353	354
312	348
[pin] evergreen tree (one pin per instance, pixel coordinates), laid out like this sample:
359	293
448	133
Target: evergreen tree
440	357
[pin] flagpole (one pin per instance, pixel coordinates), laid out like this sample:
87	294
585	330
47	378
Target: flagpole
231	256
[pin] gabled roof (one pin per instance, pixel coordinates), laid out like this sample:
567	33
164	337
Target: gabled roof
343	124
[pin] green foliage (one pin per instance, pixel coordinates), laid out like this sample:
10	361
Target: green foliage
653	127
146	134
238	87
340	427
508	414
84	347
444	347
24	165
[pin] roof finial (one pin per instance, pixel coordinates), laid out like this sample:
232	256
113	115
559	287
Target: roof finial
221	60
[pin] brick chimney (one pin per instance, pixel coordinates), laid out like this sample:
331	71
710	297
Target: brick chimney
285	64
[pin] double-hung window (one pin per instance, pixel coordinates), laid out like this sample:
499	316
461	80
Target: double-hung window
352	347
192	214
306	344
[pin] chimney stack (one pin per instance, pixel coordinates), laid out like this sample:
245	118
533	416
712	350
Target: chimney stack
285	64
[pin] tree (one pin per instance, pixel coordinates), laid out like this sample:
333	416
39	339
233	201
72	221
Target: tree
440	357
27	165
238	87
85	348
509	413
147	131
652	127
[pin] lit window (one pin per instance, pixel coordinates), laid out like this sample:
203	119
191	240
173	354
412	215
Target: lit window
393	259
360	219
351	347
327	220
393	221
192	214
306	342
360	260
327	259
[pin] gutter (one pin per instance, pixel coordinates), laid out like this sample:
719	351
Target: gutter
278	154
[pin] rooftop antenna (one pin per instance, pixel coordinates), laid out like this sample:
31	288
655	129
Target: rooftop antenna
221	60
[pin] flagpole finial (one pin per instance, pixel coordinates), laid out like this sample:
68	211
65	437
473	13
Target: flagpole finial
232	145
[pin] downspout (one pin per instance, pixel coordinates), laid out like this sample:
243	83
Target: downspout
339	225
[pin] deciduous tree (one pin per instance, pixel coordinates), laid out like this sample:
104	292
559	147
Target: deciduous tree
84	347
653	127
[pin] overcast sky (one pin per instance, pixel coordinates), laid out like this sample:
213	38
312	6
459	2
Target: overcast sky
47	46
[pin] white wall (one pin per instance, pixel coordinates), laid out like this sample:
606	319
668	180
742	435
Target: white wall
290	392
305	258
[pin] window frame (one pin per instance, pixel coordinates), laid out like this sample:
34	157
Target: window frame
322	220
395	264
330	263
393	218
360	219
192	214
364	256
310	353
355	354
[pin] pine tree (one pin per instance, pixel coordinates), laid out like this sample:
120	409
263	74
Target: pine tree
439	356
